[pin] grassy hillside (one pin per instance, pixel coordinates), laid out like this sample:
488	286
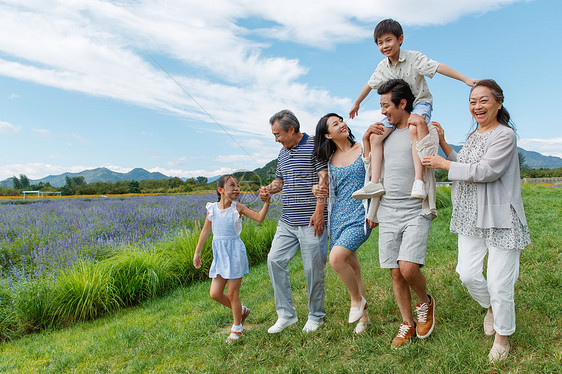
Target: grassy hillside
185	330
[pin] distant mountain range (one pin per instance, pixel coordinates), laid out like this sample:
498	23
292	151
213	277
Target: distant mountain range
93	175
532	159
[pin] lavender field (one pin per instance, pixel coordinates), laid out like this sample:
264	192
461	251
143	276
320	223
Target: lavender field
42	236
69	260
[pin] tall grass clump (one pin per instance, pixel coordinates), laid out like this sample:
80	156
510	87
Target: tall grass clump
83	292
443	197
32	304
257	238
181	249
137	275
8	324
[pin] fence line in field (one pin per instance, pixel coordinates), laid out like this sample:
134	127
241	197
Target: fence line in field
553	180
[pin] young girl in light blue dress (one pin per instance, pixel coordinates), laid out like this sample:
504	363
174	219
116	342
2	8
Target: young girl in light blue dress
230	262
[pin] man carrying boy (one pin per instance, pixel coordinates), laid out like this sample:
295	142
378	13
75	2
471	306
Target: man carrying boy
403	220
301	225
411	66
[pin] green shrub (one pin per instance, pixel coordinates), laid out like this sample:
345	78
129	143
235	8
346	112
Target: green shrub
443	197
8	323
32	303
257	238
83	292
136	276
181	250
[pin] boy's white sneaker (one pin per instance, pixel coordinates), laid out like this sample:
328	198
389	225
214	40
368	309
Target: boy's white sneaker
418	190
282	324
311	326
369	191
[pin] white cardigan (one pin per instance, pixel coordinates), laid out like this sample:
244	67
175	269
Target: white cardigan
498	178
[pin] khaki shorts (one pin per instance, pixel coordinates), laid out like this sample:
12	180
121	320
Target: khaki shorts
404	240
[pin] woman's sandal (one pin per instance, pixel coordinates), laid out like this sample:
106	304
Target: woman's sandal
234	336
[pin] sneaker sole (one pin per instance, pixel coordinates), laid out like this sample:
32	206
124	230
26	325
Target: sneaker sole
432	325
365	196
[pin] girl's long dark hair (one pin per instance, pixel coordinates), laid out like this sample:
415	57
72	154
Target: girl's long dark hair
323	147
221	182
503	116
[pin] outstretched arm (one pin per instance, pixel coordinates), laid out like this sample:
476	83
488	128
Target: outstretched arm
355	108
202	238
275	186
452	73
252	214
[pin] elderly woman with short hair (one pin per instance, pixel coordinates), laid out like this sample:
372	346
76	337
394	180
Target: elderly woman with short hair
488	213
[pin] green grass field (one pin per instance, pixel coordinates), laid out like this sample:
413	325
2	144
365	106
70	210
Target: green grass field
185	330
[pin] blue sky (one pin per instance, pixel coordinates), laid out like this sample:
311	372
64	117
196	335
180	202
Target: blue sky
120	84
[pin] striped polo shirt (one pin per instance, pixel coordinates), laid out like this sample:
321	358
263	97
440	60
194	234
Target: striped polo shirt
299	168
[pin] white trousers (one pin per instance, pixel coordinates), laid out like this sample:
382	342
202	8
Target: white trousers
497	289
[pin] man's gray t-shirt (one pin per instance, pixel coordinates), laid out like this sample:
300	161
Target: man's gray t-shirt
399	173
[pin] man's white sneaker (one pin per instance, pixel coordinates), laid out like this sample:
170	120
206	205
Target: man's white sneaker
418	190
311	326
282	324
369	191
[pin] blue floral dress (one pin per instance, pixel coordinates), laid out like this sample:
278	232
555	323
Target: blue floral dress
347	215
229	253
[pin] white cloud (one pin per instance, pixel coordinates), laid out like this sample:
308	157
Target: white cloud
547	147
37	170
193	173
8	129
42	132
13	96
103	48
79	139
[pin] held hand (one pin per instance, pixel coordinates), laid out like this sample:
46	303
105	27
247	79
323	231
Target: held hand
415	119
317	220
353	112
265	196
471	82
197	260
436	162
372	224
319	191
440	131
375	129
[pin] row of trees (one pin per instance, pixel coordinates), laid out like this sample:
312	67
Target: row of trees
77	185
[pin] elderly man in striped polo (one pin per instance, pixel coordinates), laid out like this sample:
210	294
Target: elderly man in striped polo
301	225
